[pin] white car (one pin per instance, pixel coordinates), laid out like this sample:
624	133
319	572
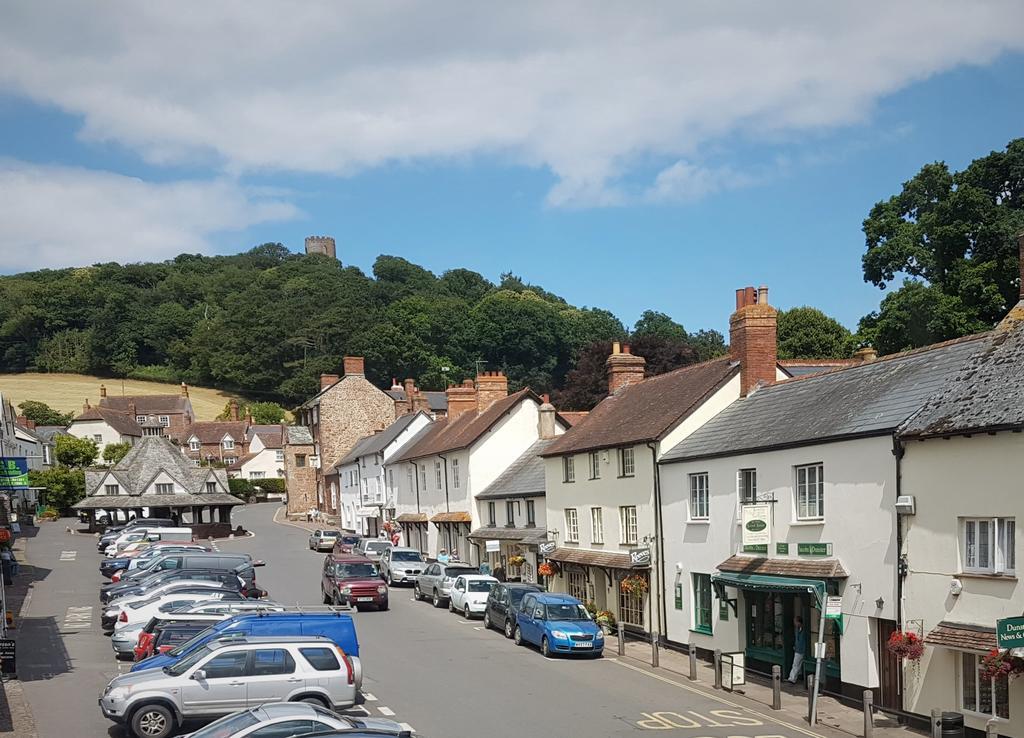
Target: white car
115	611
141	610
469	594
218	607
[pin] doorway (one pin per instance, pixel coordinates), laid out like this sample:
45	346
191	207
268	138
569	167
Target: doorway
888	668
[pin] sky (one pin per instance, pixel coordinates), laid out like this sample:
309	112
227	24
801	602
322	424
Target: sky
622	156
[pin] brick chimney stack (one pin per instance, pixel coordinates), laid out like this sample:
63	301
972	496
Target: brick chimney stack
353	366
103	391
546	425
461	399
395	385
234	409
865	354
752	339
420	402
25	422
132	412
326	380
86	407
623	368
184	390
490	387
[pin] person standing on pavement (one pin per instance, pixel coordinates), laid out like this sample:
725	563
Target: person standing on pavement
442	557
499	573
799	647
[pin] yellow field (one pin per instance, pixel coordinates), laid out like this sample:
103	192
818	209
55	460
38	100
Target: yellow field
68	392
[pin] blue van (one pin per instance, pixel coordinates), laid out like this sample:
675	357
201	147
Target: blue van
337	626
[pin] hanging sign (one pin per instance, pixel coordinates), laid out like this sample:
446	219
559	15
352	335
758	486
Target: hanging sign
640	557
13	472
757	525
492	546
548	548
1010	632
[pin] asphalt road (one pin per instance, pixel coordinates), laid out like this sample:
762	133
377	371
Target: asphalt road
434	671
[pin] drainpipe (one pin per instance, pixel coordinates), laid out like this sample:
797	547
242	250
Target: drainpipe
659	539
447	503
898	450
416	476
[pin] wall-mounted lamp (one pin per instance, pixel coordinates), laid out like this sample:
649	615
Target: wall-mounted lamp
879	603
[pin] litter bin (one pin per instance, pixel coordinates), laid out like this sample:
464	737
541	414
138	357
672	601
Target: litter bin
952	725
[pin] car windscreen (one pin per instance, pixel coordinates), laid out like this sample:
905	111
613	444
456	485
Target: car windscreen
405	556
377	545
454	571
142	603
330	533
189	661
567	611
480	585
351	540
191	642
356	571
226	726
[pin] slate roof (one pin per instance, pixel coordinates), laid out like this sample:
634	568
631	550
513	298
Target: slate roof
298	435
377	442
986	394
810	568
962	636
524	478
872	398
437	401
529	536
50	432
803	367
587	557
211	432
647	410
148	404
123	423
445	434
272	436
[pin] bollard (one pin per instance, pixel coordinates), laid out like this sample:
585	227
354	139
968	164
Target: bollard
810	699
655	656
936	722
692	650
869	717
718	668
622	639
991	729
776	687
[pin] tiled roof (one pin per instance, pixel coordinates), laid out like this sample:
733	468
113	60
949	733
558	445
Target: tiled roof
587	557
213	431
872	398
50	432
962	636
298	435
242	461
808	568
573	417
450	435
121	422
437	401
379	441
647	410
412	518
148	404
452	517
524	478
987	393
272	436
529	536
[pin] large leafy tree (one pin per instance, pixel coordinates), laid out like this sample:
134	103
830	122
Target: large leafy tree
114	452
807	333
660	325
42	414
75	452
951	237
64	485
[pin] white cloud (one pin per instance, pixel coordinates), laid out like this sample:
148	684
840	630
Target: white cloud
587	90
60	216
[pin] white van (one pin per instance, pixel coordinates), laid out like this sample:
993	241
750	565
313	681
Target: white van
169	534
148	534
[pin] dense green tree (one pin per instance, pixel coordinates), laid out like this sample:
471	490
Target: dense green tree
63	485
114	452
266	413
75	452
42	414
807	333
953	234
709	344
653	323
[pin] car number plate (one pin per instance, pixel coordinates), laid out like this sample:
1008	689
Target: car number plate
364	599
583	644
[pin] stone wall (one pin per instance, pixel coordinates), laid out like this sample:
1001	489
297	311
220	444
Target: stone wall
351	409
300	480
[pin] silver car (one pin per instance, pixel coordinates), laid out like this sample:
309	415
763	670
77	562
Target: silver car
124	641
401	565
323	540
435	583
228	675
293	718
372	548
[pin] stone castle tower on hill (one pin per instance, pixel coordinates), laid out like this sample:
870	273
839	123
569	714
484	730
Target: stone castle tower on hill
321	245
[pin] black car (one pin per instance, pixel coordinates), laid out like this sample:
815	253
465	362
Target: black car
502	604
233	579
193	560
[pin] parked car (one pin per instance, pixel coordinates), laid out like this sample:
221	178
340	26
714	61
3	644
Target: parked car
502	605
323	540
110	567
173	634
145	586
113	532
346	543
141	611
224	676
293	719
469	593
372	548
557	623
401	565
349	579
336	625
435	582
214	586
216	607
173	566
124	641
146	645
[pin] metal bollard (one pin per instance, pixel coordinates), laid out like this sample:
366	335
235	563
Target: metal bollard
869	715
936	722
776	687
810	699
991	729
693	661
718	668
622	639
655	656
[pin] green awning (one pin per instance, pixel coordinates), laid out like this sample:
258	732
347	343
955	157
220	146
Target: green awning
768	583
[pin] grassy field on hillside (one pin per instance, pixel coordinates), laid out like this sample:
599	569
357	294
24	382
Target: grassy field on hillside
68	392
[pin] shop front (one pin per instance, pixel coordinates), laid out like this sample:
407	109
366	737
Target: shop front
609	581
512	550
415	529
452	531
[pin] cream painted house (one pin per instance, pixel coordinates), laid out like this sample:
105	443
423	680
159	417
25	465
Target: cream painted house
105	426
265	456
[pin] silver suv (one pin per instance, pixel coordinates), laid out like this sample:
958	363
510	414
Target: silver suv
401	565
435	583
228	675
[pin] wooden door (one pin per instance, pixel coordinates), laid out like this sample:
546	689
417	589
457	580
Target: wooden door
889	671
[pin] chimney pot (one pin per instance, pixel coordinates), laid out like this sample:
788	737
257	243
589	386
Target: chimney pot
184	389
739	298
326	380
234	409
749	296
762	295
353	366
753	330
615	347
865	354
626	349
103	391
394	384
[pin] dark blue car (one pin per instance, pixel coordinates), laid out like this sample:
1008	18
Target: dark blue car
557	623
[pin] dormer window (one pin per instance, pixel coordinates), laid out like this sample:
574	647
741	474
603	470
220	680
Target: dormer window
228	443
140	419
165	420
193	444
211	488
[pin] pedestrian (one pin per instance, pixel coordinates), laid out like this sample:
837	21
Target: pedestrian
442	557
499	573
799	647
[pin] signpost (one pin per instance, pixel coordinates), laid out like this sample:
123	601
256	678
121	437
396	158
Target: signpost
640	558
8	660
757	527
1010	632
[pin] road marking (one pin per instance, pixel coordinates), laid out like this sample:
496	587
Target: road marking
78	617
386	711
716	698
369	697
479	627
68	555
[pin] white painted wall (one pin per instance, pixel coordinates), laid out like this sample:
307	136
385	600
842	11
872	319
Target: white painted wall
264	461
91	428
950	480
859	521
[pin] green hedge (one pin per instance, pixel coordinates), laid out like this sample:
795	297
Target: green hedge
245	488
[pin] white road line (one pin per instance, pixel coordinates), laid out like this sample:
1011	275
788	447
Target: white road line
68	555
78	617
369	697
386	711
479	627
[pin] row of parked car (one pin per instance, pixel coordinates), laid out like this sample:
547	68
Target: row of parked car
555	623
209	645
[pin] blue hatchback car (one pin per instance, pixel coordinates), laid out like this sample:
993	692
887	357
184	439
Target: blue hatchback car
557	623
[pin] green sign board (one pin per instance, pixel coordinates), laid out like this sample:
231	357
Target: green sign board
757	548
13	473
723	610
1010	633
814	549
782	548
679	597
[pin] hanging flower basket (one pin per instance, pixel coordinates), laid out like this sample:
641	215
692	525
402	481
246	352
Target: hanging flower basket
906	645
606	620
392	526
634	584
547	569
516	560
996	664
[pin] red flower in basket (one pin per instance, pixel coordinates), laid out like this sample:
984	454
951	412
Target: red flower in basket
906	644
546	570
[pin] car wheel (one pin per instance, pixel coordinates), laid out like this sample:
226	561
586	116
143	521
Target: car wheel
383	606
465	611
509	628
487	620
518	636
436	601
315	701
391	582
545	648
451	605
152	721
416	594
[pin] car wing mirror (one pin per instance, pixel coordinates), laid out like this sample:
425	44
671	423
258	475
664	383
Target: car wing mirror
538	614
259	562
199	675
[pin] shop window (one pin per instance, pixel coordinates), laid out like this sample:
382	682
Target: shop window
988	697
631	607
702	603
576	585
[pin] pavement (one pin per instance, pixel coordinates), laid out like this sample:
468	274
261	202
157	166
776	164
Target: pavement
437	673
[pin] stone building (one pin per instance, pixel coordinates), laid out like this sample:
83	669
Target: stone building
165	415
321	245
300	474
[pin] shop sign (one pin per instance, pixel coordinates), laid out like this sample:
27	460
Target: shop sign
1010	632
679	596
761	548
814	549
548	548
13	472
782	549
723	610
640	557
757	525
8	662
492	546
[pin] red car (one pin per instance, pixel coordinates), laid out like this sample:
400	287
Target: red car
349	579
345	544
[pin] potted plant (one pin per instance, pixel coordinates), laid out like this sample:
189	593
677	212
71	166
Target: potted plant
516	560
634	584
606	620
906	645
998	663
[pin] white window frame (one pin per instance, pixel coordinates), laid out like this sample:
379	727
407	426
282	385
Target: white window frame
165	421
47	459
978	687
999	545
455	473
568	469
699	499
228	444
596	525
594	464
279	455
627	525
194	444
423	477
627	462
741	476
257	475
140	419
111	490
802	487
161	488
572	525
230	460
437	474
510	513
97	437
